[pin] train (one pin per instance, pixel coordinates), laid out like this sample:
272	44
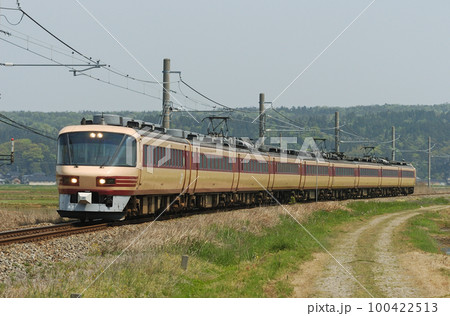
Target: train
114	167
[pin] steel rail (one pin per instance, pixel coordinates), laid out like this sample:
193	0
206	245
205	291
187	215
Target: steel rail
47	232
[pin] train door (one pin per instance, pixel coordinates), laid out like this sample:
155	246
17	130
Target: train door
331	174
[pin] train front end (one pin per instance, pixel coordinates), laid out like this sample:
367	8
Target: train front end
96	171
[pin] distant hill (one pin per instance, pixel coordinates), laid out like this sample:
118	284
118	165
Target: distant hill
360	125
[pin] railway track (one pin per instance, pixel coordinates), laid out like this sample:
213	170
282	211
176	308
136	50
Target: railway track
60	230
47	232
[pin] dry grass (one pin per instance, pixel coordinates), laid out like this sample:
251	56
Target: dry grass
18	217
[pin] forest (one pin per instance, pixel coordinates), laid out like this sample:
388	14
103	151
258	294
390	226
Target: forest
35	139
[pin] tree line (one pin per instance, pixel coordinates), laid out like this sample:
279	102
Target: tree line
360	125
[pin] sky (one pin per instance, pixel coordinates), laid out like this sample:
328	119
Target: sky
396	52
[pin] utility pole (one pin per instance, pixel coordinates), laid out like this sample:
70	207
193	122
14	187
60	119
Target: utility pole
393	143
429	161
262	116
336	131
166	93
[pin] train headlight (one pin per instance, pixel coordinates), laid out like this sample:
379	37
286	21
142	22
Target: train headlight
70	180
105	181
96	135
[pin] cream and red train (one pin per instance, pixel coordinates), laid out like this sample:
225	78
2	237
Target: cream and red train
111	167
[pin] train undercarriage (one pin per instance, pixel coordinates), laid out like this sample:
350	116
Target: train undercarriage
116	208
155	204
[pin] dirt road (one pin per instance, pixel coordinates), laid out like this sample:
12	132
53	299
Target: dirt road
370	263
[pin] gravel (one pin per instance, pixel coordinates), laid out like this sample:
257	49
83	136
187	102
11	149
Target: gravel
18	261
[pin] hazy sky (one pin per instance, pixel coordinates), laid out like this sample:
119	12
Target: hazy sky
398	51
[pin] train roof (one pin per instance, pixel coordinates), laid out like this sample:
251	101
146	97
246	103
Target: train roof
126	125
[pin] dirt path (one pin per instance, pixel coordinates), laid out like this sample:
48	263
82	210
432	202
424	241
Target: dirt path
373	266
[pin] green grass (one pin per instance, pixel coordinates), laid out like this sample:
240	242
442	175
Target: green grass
424	231
369	208
23	196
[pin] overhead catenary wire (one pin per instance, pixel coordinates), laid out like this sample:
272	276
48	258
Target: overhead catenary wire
192	99
52	48
12	23
368	141
54	36
83	74
210	99
6	120
284	116
207	98
445	157
121	45
417	150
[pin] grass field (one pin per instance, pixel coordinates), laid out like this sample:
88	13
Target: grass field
230	262
22	205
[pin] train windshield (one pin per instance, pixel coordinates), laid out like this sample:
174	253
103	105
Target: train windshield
96	149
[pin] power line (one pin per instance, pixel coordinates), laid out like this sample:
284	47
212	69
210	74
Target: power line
76	72
207	98
192	99
18	125
54	36
70	54
417	151
281	114
6	18
84	74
